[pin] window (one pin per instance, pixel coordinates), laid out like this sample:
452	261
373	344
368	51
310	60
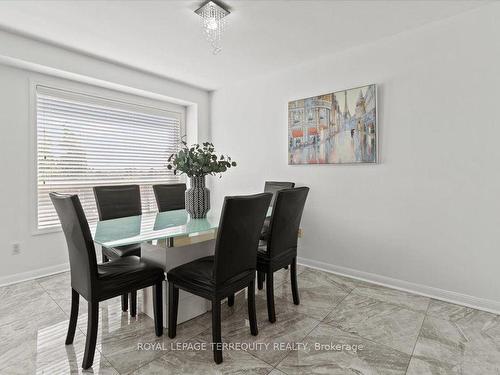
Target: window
85	141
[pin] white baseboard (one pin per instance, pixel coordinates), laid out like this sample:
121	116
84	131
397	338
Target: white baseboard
424	290
35	274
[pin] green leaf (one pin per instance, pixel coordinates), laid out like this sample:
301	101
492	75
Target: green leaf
196	160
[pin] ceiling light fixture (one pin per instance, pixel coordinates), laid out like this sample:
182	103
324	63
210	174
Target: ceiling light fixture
213	15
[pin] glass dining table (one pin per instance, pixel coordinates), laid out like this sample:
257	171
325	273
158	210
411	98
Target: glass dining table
174	228
168	239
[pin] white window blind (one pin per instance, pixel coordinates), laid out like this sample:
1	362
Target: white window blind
84	141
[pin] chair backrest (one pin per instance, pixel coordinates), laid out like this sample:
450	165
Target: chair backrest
170	197
238	235
118	201
82	258
285	220
274	186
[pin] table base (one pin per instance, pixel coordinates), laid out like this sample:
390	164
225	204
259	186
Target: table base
190	306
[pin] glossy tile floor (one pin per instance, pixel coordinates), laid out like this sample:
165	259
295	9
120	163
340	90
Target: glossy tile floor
342	326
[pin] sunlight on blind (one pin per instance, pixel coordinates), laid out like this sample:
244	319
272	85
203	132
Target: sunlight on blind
85	141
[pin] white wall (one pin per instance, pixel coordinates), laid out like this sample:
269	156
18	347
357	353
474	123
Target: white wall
21	60
426	217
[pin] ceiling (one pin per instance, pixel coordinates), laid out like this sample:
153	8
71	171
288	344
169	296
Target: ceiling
165	37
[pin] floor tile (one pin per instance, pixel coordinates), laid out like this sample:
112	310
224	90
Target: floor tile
455	313
466	346
40	349
25	301
58	287
18	291
123	339
358	356
319	293
59	283
199	360
121	345
453	339
276	372
382	322
394	296
24	324
19	337
446	310
420	366
290	327
111	316
343	282
281	276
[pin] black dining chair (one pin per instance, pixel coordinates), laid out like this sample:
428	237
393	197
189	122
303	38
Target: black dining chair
280	248
170	197
99	282
273	187
114	202
269	187
231	269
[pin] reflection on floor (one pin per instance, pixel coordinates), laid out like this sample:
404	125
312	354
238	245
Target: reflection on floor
342	326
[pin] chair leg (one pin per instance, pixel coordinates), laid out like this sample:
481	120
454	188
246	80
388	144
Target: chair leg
293	279
124	302
252	314
93	321
73	317
270	296
158	307
216	331
173	307
260	280
230	300
133	303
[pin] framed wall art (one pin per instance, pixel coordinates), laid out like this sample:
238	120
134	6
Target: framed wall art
335	128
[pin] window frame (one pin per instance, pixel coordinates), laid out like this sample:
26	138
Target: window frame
145	99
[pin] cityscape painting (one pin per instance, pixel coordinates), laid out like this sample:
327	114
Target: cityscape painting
336	128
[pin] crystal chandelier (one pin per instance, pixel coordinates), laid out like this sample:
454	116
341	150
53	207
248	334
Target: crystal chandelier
213	16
